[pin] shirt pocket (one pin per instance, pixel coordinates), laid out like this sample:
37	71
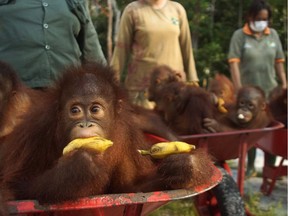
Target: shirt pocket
78	7
7	2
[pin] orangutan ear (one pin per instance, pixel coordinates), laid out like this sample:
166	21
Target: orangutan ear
263	106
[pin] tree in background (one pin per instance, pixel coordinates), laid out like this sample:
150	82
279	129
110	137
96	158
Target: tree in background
212	23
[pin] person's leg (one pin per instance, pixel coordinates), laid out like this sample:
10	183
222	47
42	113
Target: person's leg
250	170
269	159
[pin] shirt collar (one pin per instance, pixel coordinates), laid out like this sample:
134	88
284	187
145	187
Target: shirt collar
247	30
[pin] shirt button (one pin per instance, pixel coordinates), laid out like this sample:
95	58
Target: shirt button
45	4
45	25
47	47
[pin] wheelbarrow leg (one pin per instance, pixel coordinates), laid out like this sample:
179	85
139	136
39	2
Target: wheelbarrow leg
270	175
241	168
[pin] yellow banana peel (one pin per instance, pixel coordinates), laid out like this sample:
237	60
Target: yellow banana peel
164	149
221	107
98	143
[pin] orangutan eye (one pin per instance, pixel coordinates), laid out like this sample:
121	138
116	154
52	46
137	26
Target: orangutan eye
95	108
241	103
75	110
250	106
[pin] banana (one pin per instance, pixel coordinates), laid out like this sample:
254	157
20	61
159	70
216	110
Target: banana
193	83
98	143
164	149
240	116
220	107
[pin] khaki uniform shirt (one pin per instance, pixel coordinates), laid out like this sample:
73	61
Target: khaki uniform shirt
39	39
257	57
151	37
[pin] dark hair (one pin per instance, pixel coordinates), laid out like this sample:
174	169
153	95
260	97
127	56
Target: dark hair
256	6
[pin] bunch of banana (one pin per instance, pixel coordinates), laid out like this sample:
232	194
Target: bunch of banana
221	107
98	143
164	149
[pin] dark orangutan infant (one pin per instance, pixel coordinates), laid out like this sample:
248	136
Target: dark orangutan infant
278	104
160	76
87	102
184	107
15	99
250	112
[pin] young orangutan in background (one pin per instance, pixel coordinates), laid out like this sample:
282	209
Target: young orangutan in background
184	107
223	88
249	112
160	76
15	99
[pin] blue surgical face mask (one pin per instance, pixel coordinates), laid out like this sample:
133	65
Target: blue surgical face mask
258	26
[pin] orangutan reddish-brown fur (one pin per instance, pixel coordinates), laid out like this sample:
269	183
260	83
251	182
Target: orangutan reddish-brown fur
151	122
160	76
223	88
88	101
250	112
184	107
15	99
278	105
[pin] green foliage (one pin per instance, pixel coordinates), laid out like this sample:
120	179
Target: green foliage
210	59
100	23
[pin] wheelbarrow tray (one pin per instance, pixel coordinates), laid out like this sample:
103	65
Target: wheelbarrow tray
275	143
225	145
233	144
132	204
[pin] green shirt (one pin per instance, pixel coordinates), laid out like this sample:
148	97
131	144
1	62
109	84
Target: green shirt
151	37
39	39
257	57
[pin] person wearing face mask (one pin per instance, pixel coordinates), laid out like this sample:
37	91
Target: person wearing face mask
256	58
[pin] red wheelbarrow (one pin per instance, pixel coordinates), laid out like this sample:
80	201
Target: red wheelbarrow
222	146
230	145
275	144
225	146
128	204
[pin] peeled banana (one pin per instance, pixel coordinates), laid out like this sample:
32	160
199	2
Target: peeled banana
164	149
98	143
221	107
241	116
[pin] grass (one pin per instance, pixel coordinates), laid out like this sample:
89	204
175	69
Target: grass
183	207
186	207
253	203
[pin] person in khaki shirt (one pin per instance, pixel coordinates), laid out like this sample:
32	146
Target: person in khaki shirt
255	54
152	33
